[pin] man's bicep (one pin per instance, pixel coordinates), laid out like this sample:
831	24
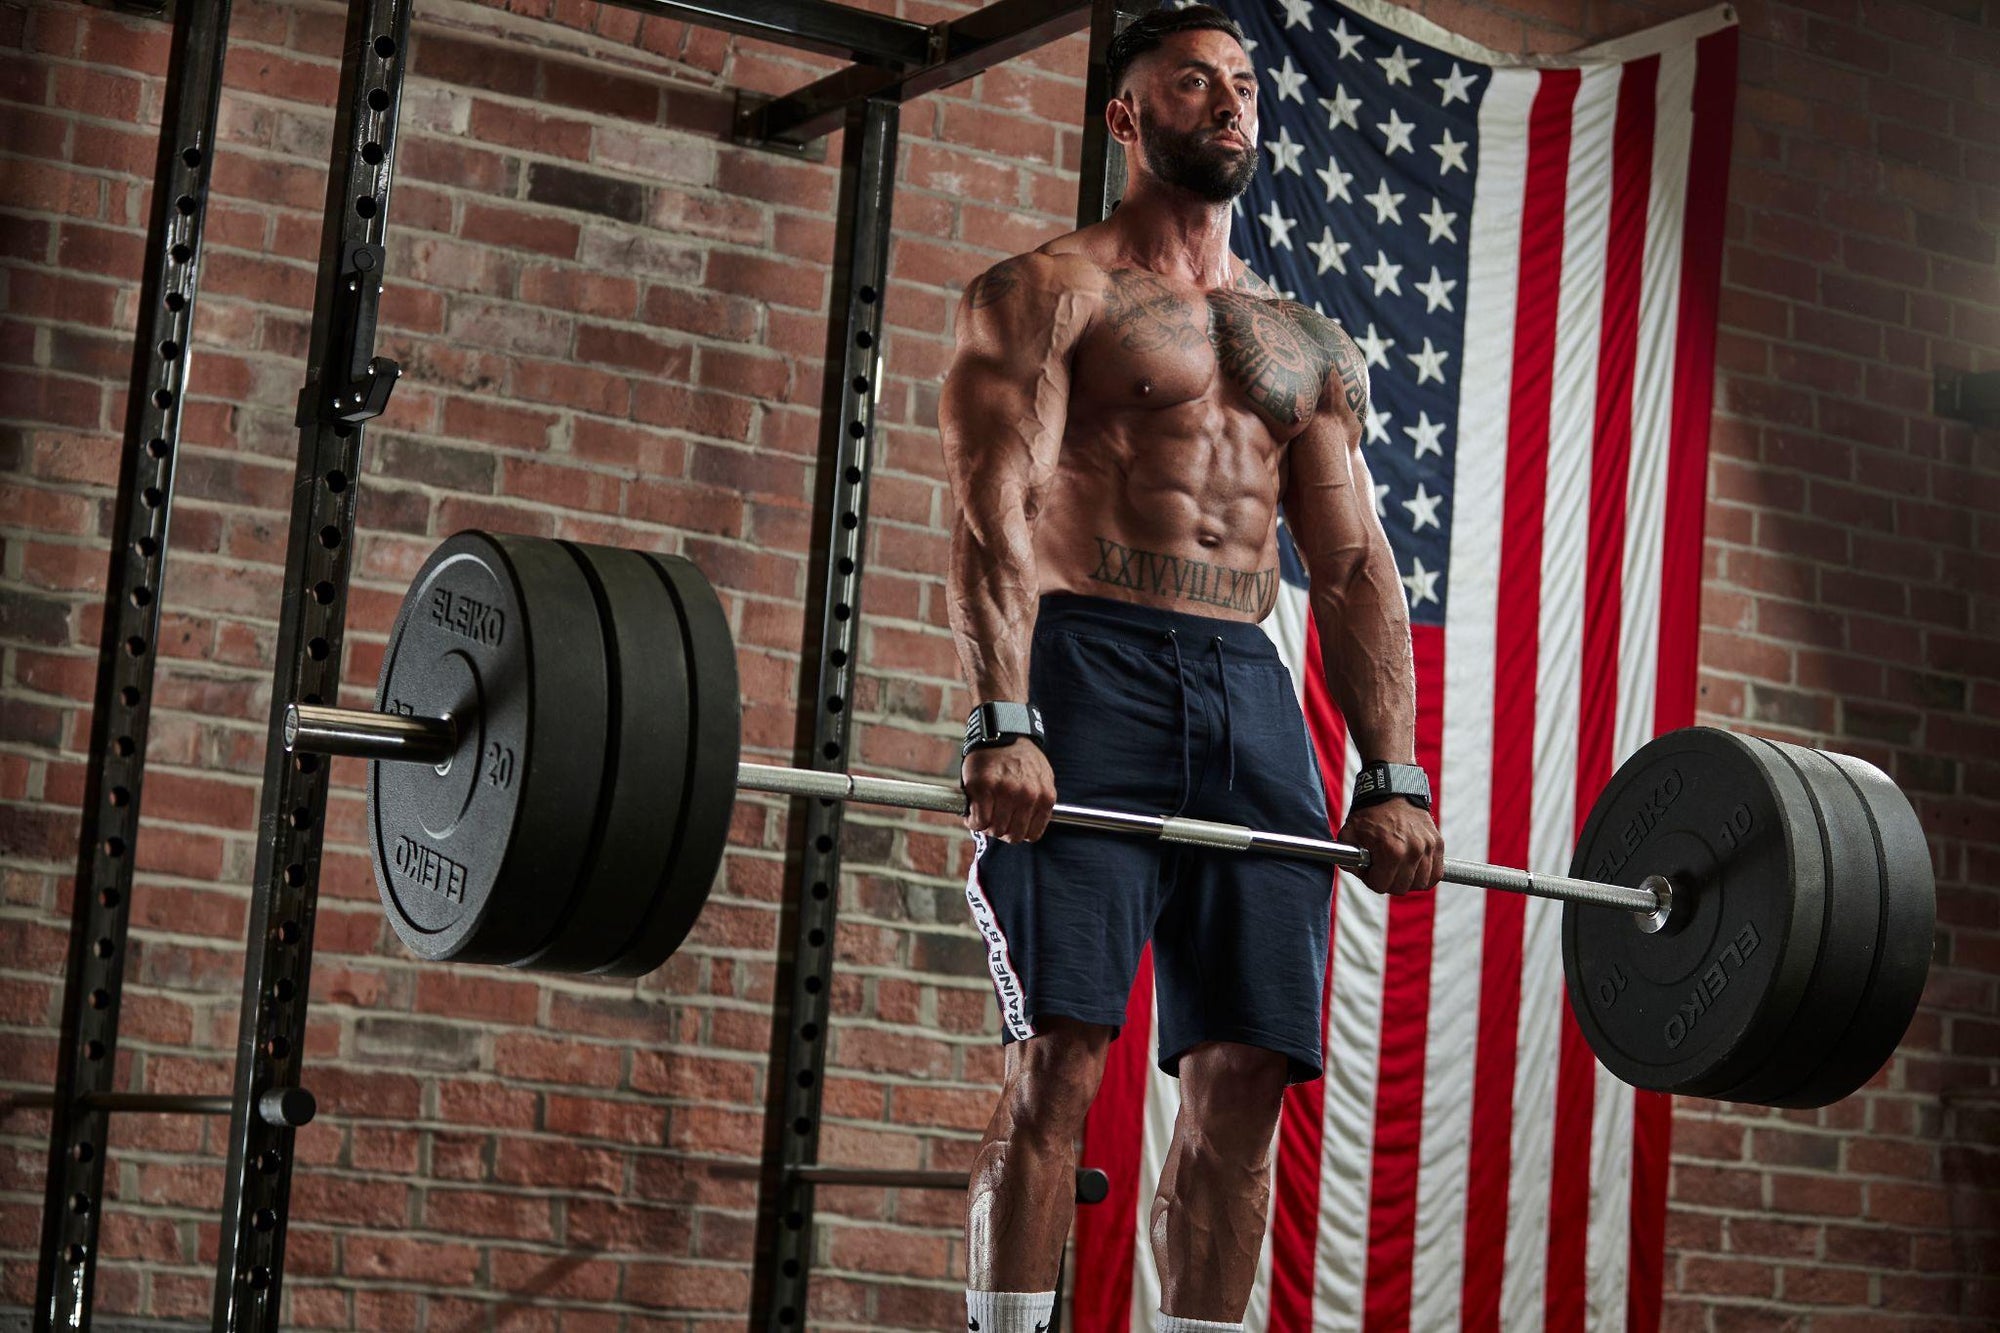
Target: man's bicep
1006	394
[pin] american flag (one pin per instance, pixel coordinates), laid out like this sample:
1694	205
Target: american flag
1529	255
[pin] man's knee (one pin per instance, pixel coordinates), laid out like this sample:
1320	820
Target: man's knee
1052	1078
1230	1089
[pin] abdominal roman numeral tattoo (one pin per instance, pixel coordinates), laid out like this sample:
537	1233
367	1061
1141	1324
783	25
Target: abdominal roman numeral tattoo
1124	566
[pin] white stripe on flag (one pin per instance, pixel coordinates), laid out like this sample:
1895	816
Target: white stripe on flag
1347	1157
1466	765
1163	1104
1609	1258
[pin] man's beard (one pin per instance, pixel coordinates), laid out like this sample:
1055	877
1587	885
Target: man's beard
1193	160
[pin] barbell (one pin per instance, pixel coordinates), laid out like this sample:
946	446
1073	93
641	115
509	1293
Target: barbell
556	749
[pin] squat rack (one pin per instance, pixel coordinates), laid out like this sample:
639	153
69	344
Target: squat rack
347	385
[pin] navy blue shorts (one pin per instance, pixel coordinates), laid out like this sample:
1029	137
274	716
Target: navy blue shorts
1161	713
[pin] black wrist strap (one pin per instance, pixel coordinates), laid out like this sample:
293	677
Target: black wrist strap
1380	781
993	724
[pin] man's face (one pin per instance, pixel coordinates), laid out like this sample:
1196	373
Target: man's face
1196	98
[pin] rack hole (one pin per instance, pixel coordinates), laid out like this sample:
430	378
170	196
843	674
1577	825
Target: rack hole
191	156
260	1277
371	153
270	1162
336	481
114	847
845	564
815	937
157	447
820	890
867	294
850	520
283	989
305	763
169	349
121	797
176	301
805	1077
864	339
163	398
142	596
79	1202
295	874
812	985
853	475
124	747
329	537
301	818
823	844
108	898
129	696
264	1219
147	547
835	704
93	1049
100	998
153	497
278	1048
186	204
378	99
365	205
180	252
135	646
83	1151
861	384
323	593
802	1125
809	1031
857	429
385	47
317	650
104	948
841	610
288	932
838	657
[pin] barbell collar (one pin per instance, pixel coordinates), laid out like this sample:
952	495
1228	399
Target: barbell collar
364	734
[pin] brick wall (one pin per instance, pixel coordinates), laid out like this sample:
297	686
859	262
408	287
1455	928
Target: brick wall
611	321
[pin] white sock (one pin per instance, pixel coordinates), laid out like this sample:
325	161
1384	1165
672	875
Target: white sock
1167	1323
1008	1311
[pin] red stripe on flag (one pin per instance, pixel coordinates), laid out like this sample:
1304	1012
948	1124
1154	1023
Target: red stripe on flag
1604	567
1406	1002
1516	649
1106	1232
1680	574
1301	1124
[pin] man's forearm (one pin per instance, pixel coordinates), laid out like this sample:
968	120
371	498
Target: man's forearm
1364	637
992	589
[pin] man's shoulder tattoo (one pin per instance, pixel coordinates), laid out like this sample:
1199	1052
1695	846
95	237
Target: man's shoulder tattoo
995	283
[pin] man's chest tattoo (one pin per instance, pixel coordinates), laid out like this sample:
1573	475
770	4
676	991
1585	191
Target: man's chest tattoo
1122	566
1146	315
1268	356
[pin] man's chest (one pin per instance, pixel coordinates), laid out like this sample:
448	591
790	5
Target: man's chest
1158	345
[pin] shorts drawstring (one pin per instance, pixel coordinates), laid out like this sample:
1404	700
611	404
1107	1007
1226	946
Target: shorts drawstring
1187	725
1228	731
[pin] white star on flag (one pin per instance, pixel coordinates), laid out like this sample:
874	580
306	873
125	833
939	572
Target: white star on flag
1375	347
1381	494
1340	109
1451	153
1336	181
1378	426
1425	434
1396	68
1350	42
1279	226
1437	291
1423	509
1439	222
1289	81
1298	14
1329	251
1457	86
1284	153
1429	362
1385	202
1421	582
1396	133
1385	275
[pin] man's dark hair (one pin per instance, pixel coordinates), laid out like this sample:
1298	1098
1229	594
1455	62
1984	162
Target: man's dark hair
1149	31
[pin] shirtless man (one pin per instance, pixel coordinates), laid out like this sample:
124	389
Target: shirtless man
1127	408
